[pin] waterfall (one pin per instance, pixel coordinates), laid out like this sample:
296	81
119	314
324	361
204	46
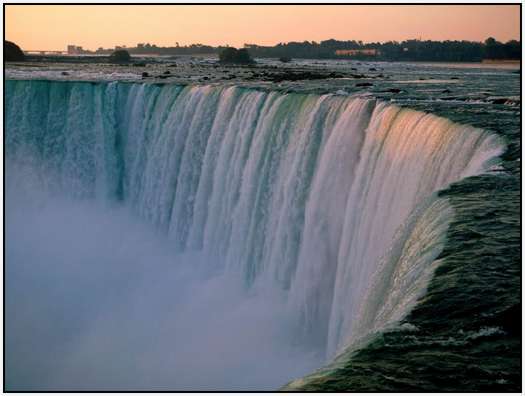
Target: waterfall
329	199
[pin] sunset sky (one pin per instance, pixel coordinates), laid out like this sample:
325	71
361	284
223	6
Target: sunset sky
44	27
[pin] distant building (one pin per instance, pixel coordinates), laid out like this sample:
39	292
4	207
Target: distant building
358	52
74	50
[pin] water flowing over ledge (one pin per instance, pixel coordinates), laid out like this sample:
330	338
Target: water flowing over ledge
330	200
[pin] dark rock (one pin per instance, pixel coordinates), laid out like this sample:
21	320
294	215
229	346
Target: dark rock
285	59
290	75
454	78
65	73
510	320
12	52
499	101
372	69
393	90
446	91
145	74
364	84
167	72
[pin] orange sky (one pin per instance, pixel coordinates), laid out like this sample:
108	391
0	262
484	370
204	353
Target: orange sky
44	27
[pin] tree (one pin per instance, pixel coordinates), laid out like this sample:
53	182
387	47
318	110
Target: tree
490	41
233	55
120	56
12	52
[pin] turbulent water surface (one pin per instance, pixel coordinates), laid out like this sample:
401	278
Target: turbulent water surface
219	237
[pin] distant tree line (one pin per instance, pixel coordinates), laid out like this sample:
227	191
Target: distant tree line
152	49
408	50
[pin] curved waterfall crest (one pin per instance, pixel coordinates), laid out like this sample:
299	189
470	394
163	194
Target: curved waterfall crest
328	199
